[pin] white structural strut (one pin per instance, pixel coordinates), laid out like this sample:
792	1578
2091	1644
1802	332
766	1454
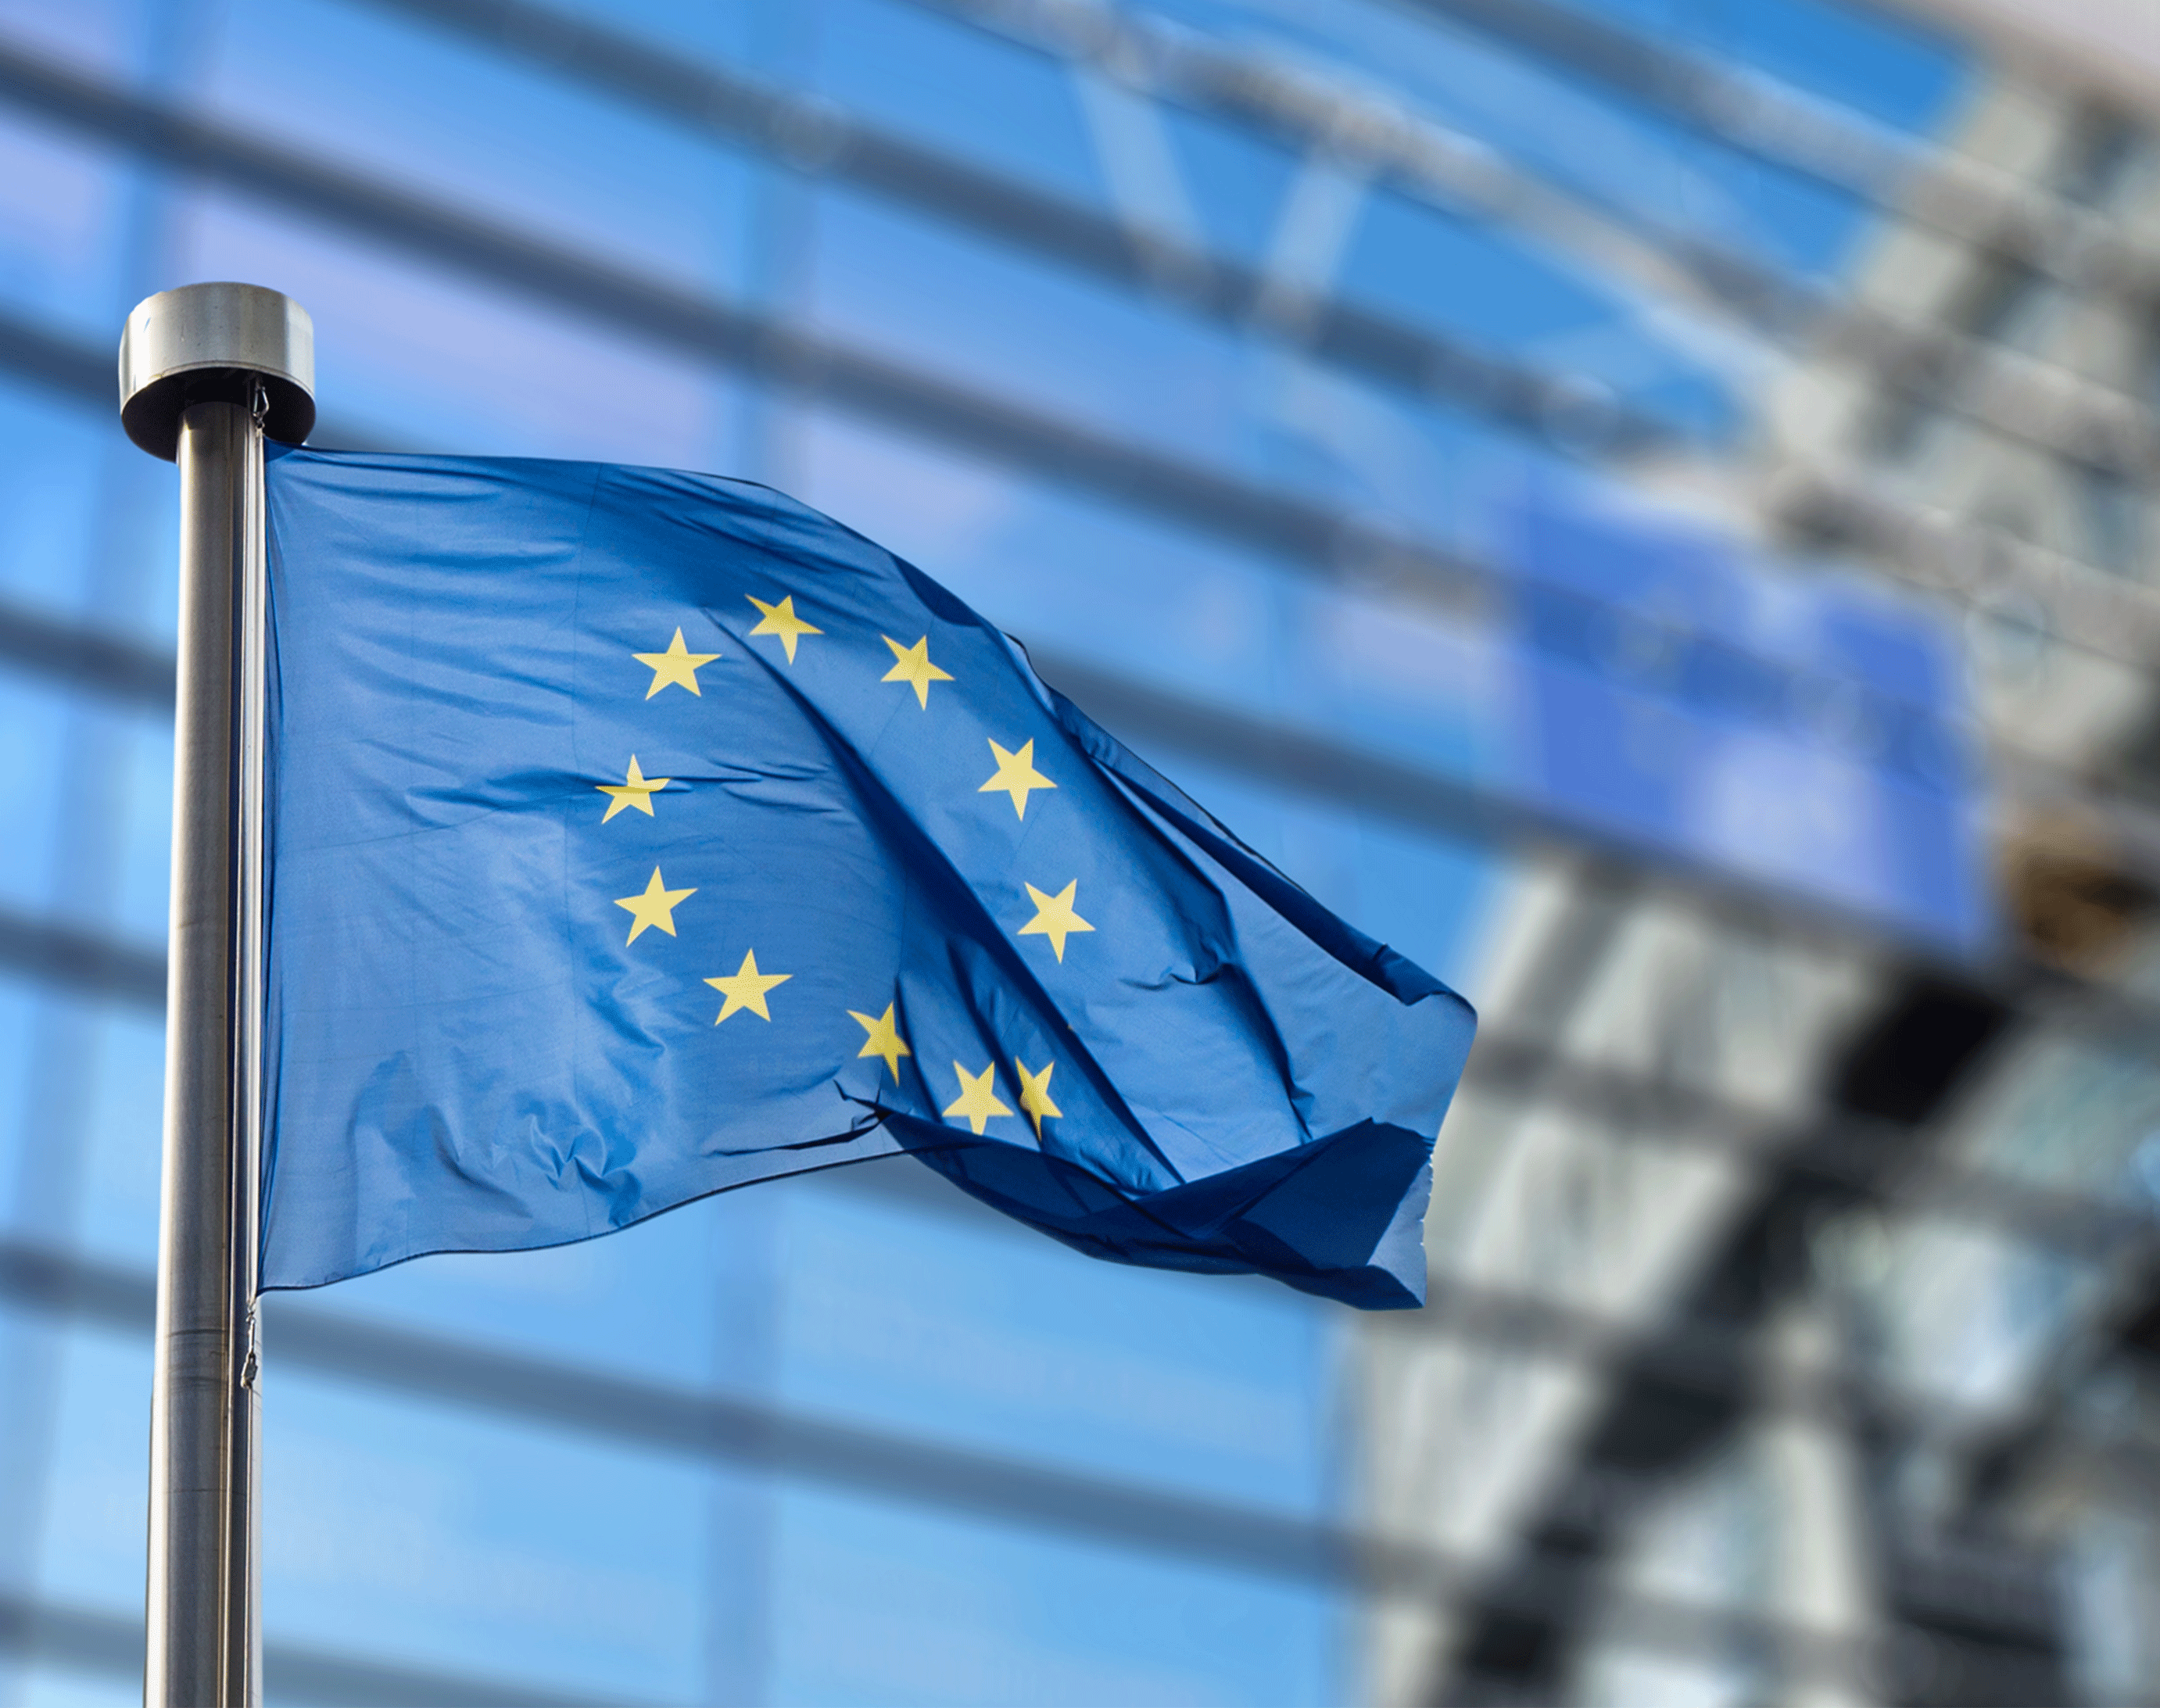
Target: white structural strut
2110	46
1422	157
205	371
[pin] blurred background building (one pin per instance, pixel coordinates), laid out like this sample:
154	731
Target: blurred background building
1645	505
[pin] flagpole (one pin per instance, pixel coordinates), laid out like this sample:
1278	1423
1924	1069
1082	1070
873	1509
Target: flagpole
206	371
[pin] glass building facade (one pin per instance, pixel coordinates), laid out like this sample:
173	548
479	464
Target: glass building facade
1642	505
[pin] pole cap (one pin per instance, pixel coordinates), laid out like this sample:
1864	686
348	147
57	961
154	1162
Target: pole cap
210	343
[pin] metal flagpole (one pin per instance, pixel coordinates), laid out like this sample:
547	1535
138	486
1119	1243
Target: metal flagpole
205	372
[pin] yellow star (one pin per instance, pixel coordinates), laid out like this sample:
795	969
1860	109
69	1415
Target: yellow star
747	989
914	669
781	619
884	1040
1054	917
656	907
1016	776
675	665
1035	1093
635	790
979	1098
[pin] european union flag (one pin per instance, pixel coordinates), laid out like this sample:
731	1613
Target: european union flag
636	835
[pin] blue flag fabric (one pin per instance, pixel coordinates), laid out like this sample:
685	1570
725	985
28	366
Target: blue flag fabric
637	835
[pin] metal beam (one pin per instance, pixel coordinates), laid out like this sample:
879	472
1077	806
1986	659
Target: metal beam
92	962
669	1419
2107	48
74	957
1627	1104
1961	197
1987	208
81	961
2016	397
1315	764
1897	1073
811	136
2106	615
2012	394
2098	611
1300	532
127	672
80	1639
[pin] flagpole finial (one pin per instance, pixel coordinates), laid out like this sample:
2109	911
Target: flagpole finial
215	343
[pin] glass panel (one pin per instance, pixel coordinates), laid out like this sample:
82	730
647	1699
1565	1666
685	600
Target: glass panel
961	89
401	1534
52	466
420	108
960	1328
417	355
122	1118
900	1606
64	206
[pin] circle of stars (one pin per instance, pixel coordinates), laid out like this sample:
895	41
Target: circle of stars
745	990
